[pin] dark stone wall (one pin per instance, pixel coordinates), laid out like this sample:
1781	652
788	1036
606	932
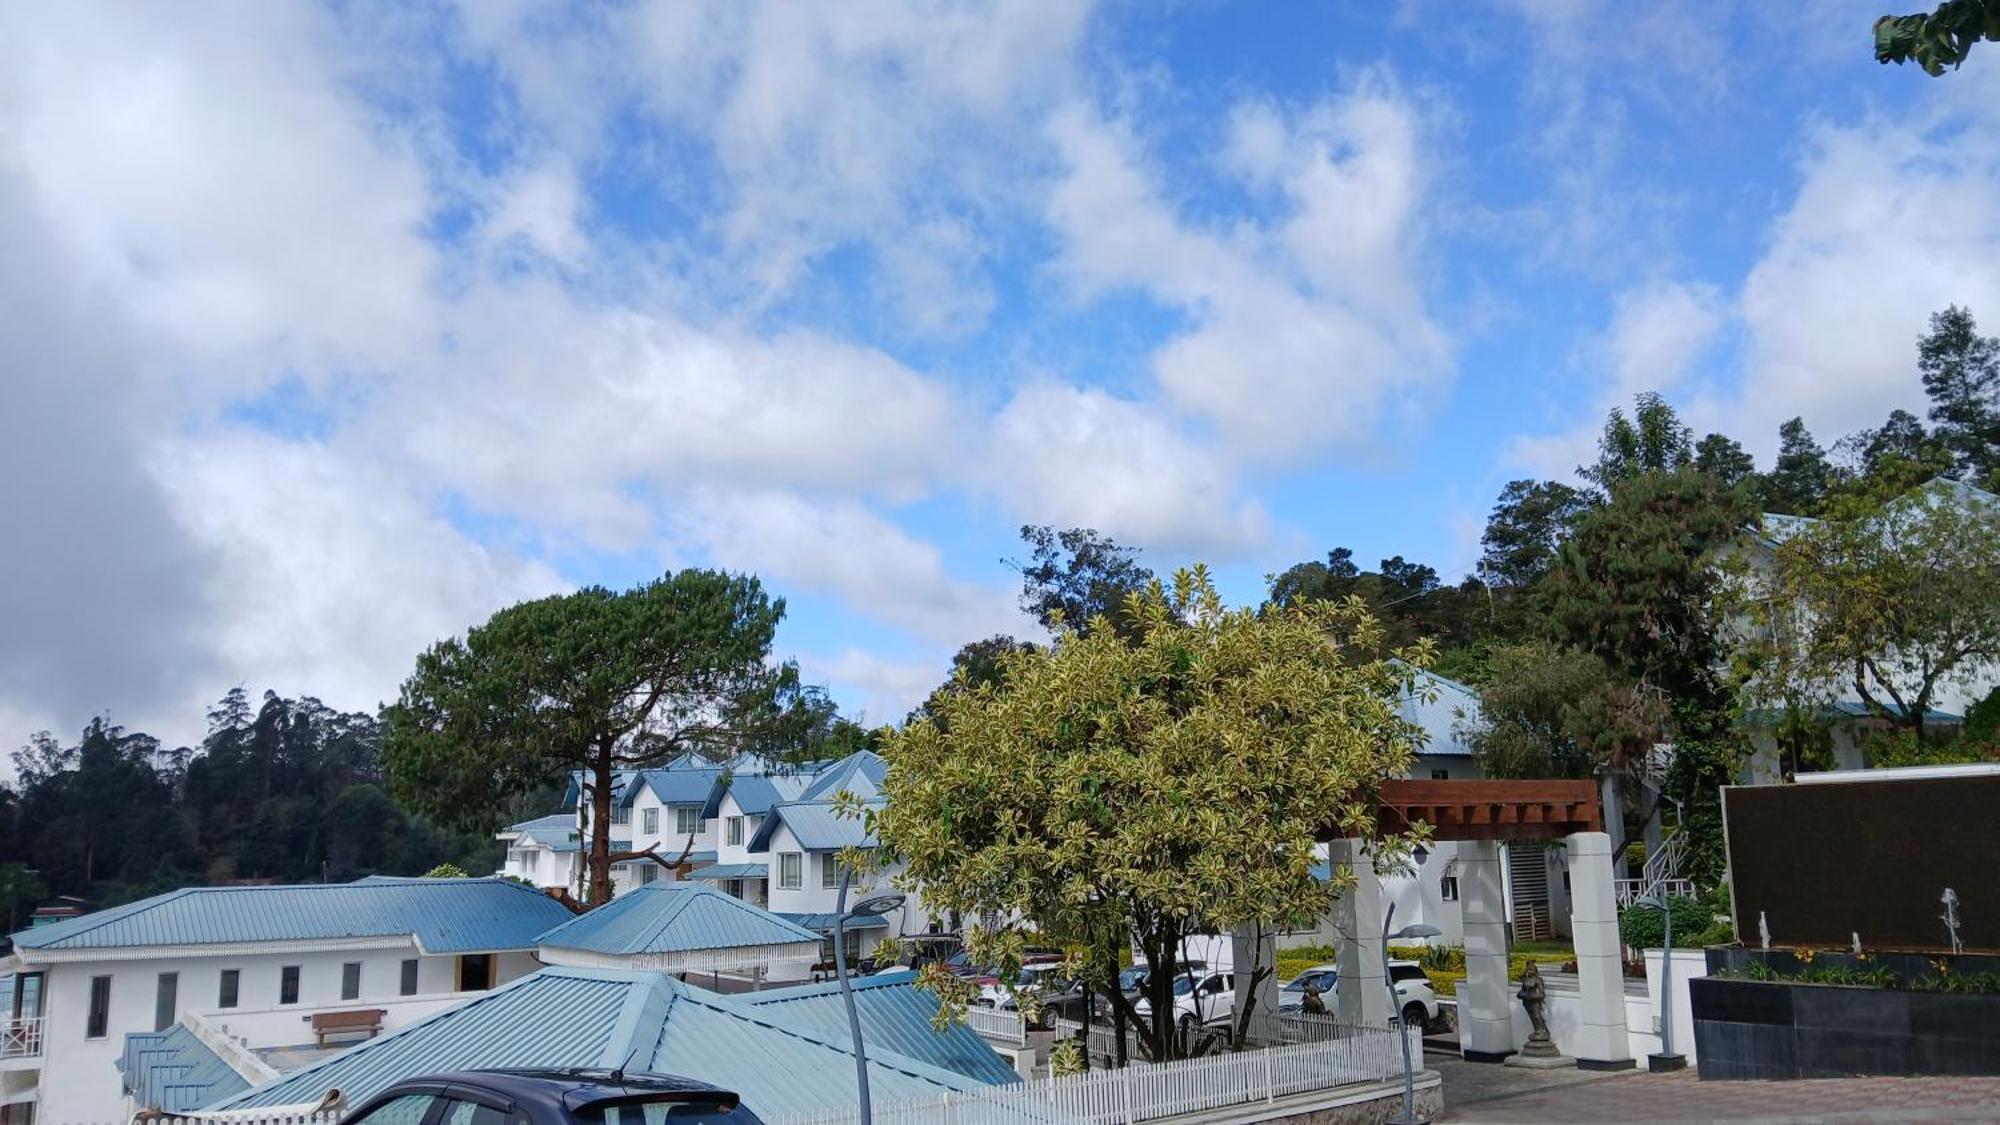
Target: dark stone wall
1767	1029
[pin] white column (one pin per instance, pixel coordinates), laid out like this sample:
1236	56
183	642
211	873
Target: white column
1601	1040
1485	1002
1361	992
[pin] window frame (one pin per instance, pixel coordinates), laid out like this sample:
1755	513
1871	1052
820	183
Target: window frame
1440	774
1447	888
409	981
166	1000
97	1024
735	831
649	821
350	980
687	820
791	871
621	814
829	871
491	971
229	988
291	978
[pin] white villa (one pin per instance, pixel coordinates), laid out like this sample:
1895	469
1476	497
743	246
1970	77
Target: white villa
763	832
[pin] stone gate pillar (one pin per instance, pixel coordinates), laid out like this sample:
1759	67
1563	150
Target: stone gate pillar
1361	995
1601	1039
1485	1000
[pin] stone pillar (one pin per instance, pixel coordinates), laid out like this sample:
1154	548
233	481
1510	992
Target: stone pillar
1485	998
1252	947
1601	1040
1361	994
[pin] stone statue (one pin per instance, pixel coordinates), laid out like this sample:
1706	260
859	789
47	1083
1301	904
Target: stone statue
1535	998
1312	1005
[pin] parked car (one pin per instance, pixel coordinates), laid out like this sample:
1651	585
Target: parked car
1132	982
1292	994
1199	1000
1418	1002
999	994
550	1097
917	950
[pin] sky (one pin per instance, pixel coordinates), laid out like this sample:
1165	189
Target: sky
328	330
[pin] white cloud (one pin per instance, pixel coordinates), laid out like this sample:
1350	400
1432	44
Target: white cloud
1305	331
886	690
836	546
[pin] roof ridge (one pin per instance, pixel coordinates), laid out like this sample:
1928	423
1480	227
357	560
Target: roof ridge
842	1044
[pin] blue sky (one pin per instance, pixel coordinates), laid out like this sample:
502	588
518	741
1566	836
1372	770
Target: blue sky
341	326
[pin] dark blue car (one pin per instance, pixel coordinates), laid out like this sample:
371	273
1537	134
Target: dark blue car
550	1097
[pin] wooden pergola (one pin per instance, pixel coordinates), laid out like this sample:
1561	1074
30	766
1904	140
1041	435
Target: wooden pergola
1490	810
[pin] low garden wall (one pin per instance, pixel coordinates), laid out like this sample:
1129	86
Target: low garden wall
1784	1014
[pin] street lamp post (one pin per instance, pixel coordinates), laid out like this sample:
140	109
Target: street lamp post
866	908
1414	930
1667	1059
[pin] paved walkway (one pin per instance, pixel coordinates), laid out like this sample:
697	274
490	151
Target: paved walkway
1483	1092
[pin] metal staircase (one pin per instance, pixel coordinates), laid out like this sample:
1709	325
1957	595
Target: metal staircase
1659	875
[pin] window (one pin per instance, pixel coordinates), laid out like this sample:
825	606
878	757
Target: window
1448	888
649	873
100	1008
1440	775
27	995
788	870
687	820
410	1109
166	1001
649	822
1401	973
829	870
288	985
621	814
475	972
471	1113
410	977
735	831
232	980
350	980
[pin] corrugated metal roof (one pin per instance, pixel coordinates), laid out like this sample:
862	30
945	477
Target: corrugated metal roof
860	773
174	1071
1438	707
689	786
561	822
563	1017
734	871
673	918
896	1014
445	915
756	793
817	825
823	923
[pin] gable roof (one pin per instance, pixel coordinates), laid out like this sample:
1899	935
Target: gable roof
442	915
755	793
817	826
686	786
565	1017
896	1014
1774	529
1438	707
174	1071
558	822
673	918
860	773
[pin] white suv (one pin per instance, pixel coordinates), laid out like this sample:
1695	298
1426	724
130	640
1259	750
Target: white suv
1200	999
1415	1000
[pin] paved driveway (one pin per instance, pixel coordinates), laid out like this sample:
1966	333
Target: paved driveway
1483	1092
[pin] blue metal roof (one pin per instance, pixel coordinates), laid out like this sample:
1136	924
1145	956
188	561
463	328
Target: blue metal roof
734	871
1438	706
756	793
673	918
174	1071
895	1013
564	1017
560	822
860	773
444	915
817	826
686	786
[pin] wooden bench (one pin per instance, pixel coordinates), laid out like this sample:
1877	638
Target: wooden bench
363	1022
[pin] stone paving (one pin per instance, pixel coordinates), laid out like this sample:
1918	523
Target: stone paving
1482	1092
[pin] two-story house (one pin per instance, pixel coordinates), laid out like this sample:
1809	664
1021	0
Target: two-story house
256	965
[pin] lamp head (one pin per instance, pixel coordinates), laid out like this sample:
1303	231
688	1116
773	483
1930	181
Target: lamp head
1416	930
876	904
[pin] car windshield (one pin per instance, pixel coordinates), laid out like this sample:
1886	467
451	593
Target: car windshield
662	1113
1132	978
1297	984
1182	985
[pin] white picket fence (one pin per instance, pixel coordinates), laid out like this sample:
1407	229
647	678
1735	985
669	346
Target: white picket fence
1147	1093
999	1026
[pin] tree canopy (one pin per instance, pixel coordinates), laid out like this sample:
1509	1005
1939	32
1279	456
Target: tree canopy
1109	789
589	684
1937	39
1078	577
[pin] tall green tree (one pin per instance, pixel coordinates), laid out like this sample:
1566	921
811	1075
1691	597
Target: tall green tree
1653	440
592	683
1078	577
1550	711
1937	39
1529	522
1115	790
1721	457
1961	373
1802	476
975	665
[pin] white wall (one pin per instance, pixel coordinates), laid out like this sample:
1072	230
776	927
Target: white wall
80	1081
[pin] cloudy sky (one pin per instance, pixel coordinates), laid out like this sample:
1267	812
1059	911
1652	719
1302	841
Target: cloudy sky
327	330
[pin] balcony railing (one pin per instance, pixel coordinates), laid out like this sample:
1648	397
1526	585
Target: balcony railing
20	1037
1001	1027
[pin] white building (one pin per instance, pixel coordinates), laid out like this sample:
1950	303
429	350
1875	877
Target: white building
254	965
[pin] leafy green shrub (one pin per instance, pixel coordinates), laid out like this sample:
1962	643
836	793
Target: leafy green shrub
1644	927
446	871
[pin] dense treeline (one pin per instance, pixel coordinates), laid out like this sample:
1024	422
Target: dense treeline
284	789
